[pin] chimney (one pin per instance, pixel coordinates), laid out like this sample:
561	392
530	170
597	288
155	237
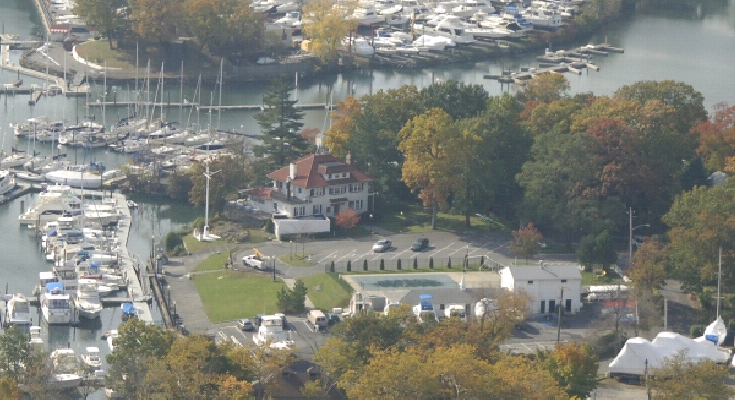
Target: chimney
348	159
292	173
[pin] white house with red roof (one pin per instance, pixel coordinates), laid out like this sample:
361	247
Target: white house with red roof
316	185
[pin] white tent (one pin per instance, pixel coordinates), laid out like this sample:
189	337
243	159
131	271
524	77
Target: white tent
637	351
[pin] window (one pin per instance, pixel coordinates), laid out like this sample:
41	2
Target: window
530	282
441	306
311	192
329	209
316	209
299	190
351	204
358	204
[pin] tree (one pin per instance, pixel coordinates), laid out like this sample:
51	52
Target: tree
9	388
701	221
573	366
292	300
545	88
227	175
430	143
137	346
687	102
280	122
457	99
179	186
717	139
267	365
679	378
526	241
107	15
326	25
15	352
648	273
516	378
156	21
347	219
597	249
226	26
345	122
545	117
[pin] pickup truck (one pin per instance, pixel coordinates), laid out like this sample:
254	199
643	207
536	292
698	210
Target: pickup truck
257	261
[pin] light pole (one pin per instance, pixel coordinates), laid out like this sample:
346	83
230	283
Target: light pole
371	224
630	236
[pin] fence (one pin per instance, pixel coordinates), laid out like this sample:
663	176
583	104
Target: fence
459	264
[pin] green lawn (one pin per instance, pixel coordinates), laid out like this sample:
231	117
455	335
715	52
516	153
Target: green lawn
333	292
590	279
417	219
296	260
194	246
229	295
214	262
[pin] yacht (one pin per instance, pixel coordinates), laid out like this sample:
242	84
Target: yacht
270	332
18	311
36	340
56	304
91	359
366	16
75	178
112	337
356	46
424	311
88	301
448	26
56	201
14	160
128	311
543	18
65	369
7	182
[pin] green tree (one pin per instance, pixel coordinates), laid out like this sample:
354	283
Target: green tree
457	99
648	272
107	15
597	249
156	21
179	186
526	241
556	115
227	175
292	300
430	143
15	352
679	378
573	366
281	123
545	88
225	27
9	388
326	25
137	346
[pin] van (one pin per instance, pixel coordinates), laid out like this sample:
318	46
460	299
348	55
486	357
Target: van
317	319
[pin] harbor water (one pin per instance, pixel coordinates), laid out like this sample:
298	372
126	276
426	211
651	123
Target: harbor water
695	48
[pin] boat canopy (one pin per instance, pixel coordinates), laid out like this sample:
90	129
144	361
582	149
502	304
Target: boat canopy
54	287
52	233
128	308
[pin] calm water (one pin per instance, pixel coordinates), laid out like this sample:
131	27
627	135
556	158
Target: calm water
698	50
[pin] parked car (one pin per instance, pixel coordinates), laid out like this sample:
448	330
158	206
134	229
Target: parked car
333	319
420	244
245	325
382	246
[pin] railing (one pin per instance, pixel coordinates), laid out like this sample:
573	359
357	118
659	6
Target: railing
424	263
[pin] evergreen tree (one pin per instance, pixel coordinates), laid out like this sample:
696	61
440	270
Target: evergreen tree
280	123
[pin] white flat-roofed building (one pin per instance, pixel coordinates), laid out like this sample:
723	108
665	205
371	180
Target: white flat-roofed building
544	283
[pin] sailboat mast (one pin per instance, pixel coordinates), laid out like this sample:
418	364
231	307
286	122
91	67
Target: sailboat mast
137	95
719	278
221	80
181	94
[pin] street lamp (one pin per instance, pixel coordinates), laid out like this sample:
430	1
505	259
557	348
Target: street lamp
630	235
371	224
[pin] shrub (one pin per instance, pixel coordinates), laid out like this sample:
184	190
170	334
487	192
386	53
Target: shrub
382	264
331	266
696	331
449	263
269	226
415	263
398	264
364	265
349	265
173	240
431	262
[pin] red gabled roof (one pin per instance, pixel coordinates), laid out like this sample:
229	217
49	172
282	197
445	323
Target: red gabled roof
263	192
308	176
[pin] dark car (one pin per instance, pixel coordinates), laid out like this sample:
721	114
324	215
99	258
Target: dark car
245	325
420	244
333	319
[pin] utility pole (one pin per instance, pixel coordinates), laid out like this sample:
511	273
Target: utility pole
561	304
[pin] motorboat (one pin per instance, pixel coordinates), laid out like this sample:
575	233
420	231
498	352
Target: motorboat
91	358
56	304
56	201
14	160
424	311
65	369
132	204
88	301
112	337
432	43
543	18
75	178
36	340
271	333
446	25
18	311
357	46
366	16
469	7
7	182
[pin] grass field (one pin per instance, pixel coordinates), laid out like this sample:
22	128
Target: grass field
214	262
229	295
194	246
332	292
591	279
417	219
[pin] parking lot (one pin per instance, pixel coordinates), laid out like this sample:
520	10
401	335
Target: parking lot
306	341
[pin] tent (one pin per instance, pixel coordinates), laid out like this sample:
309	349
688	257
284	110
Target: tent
639	353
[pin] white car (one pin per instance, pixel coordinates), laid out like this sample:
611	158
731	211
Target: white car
382	246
